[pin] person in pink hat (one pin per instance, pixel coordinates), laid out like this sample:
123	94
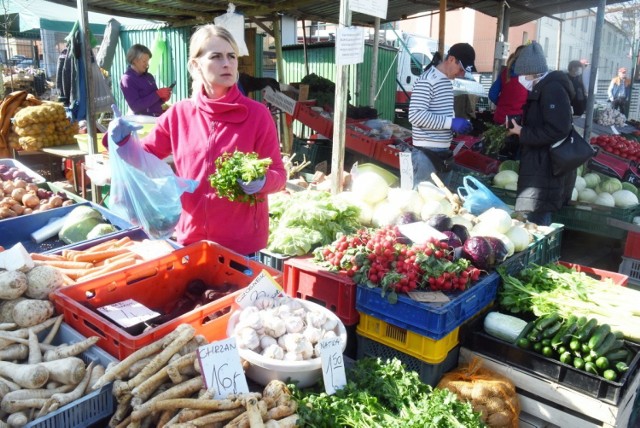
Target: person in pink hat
619	91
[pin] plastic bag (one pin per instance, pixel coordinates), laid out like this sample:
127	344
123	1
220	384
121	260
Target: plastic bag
144	189
161	65
234	23
491	394
478	198
103	98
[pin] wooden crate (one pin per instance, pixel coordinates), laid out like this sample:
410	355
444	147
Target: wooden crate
558	404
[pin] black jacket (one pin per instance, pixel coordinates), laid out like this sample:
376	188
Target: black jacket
546	120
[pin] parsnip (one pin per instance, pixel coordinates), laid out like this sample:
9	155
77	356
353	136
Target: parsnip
54	330
288	422
253	413
243	421
62	399
187	414
8	326
12	385
70	350
96	373
12	406
23	333
14	352
24	394
18	419
120	415
35	356
67	370
4	336
212	418
137	366
25	375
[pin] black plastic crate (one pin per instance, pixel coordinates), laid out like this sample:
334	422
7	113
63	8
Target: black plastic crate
314	151
548	368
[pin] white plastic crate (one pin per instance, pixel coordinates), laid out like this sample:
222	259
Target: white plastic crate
92	407
631	268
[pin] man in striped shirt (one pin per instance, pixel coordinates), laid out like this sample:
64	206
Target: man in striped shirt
431	109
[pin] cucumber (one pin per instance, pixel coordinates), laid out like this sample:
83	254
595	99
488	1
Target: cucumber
535	336
610	375
621	367
570	332
582	321
585	331
599	335
551	330
619	334
617	344
578	363
545	321
617	355
590	367
526	330
605	346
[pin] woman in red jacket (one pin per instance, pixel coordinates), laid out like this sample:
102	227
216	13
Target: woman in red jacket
218	119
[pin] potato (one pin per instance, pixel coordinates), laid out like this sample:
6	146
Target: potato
6	309
28	313
13	284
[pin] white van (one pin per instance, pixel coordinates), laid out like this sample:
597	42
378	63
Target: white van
414	54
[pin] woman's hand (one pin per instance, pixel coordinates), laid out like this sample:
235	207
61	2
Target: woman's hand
515	129
164	94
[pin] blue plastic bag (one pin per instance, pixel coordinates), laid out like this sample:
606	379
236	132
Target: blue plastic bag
478	198
144	189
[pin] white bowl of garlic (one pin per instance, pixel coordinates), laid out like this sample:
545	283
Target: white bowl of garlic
279	338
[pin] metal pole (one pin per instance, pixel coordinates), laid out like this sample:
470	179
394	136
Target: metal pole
373	87
597	36
277	37
304	47
559	45
497	62
340	110
88	81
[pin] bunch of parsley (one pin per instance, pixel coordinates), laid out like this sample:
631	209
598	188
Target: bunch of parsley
231	167
384	394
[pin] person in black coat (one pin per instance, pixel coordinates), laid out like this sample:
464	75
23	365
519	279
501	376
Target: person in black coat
547	119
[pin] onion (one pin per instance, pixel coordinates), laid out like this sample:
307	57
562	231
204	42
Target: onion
30	200
18	193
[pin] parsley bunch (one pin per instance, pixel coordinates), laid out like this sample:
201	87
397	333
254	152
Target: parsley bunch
231	167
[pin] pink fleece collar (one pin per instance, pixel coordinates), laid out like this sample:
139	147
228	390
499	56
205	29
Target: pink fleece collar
229	108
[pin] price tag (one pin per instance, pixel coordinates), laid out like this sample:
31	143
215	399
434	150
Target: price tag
420	232
262	285
349	45
151	249
333	372
370	7
406	171
429	296
128	312
221	368
614	130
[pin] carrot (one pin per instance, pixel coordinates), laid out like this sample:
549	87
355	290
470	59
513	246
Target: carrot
106	245
96	256
74	274
107	269
68	254
115	258
123	241
134	276
66	280
46	257
64	264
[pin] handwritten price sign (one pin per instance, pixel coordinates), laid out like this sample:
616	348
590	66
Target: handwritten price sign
263	285
220	366
333	372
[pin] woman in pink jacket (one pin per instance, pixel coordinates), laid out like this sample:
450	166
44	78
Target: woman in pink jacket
218	119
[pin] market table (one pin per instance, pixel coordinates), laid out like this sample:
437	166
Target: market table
602	130
69	151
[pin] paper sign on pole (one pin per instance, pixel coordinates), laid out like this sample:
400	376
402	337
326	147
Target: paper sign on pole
370	7
406	171
262	285
221	368
350	45
333	373
280	100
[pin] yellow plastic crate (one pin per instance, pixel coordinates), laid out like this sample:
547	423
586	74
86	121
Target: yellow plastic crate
424	348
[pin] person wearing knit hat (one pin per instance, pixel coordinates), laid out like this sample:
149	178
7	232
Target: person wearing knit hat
619	91
547	119
579	102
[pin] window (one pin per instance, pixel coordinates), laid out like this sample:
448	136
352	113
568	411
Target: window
417	66
525	37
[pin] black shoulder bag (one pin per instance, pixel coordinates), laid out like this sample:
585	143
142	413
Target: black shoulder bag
570	153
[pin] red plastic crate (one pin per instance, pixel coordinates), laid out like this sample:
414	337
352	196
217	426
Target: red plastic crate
601	274
313	119
477	161
157	284
632	245
335	291
386	154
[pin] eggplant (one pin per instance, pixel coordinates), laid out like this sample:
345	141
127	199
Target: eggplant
478	250
461	231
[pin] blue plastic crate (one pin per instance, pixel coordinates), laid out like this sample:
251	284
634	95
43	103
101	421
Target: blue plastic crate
434	321
429	373
92	407
19	229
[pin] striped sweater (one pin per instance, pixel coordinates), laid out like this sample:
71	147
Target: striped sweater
431	110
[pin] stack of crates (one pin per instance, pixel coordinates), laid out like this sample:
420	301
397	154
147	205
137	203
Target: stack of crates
630	265
423	336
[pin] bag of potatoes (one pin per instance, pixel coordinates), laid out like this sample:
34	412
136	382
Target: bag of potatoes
491	394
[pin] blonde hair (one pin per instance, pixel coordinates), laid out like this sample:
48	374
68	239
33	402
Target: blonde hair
198	41
511	60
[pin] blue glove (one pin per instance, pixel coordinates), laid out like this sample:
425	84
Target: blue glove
251	187
119	129
461	126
